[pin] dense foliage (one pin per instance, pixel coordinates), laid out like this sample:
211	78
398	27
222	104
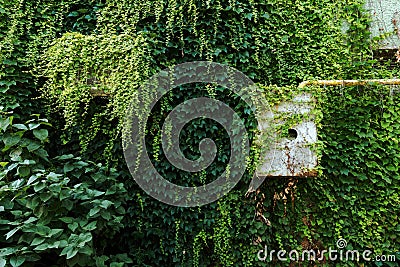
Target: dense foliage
66	196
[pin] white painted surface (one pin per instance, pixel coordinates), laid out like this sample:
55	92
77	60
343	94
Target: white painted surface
386	17
292	157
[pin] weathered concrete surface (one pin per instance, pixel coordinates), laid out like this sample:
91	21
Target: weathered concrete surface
292	156
386	18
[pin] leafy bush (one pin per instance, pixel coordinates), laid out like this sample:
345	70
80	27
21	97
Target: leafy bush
66	211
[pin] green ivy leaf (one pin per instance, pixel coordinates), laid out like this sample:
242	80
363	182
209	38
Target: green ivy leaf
55	232
37	241
40	134
45	196
3	164
23	171
73	226
33	126
20	126
17	261
42	153
10	62
11	233
68	167
33	146
42	247
73	14
32	179
67	219
72	252
90	226
94	211
38	187
11	140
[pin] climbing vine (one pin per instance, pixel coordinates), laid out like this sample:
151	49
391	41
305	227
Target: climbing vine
90	65
66	196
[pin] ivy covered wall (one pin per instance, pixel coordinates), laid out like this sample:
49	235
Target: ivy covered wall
66	196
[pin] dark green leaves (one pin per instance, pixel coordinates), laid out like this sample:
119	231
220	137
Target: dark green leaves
40	134
5	122
101	211
11	140
17	261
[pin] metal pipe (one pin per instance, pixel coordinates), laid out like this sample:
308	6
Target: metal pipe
94	92
350	82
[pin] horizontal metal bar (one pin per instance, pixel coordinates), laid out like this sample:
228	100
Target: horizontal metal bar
99	93
350	82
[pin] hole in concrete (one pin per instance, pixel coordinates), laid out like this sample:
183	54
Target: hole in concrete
292	134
